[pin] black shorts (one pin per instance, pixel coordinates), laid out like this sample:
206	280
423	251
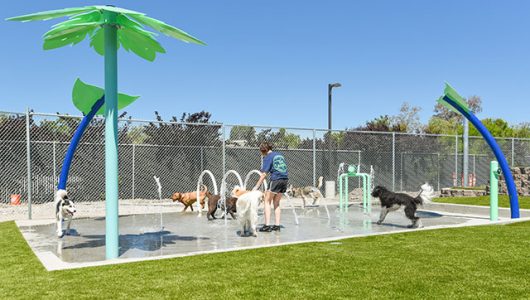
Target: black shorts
278	186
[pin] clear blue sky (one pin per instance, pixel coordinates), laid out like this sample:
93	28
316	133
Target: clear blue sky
269	62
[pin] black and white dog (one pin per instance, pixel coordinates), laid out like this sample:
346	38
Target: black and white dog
64	211
391	201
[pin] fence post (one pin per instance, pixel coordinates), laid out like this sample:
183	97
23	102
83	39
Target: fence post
513	152
224	148
359	161
474	167
393	161
133	166
401	172
314	157
28	161
456	159
465	162
438	171
54	166
202	158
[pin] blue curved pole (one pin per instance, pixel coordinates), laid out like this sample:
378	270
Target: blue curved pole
75	141
512	190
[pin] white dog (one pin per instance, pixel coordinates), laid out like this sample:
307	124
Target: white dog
64	210
247	210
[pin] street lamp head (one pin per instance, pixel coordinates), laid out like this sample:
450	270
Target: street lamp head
336	84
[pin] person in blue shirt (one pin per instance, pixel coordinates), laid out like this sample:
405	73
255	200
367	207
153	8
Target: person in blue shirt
275	165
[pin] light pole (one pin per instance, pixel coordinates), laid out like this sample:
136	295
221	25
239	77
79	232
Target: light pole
330	87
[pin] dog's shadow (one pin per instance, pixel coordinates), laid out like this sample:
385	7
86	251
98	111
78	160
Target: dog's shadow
427	214
244	234
70	232
148	241
396	225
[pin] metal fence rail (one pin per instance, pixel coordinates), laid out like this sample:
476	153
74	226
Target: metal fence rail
33	145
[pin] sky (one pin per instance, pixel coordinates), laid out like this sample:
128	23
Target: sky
269	62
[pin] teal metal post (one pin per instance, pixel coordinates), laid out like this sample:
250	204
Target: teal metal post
367	199
364	191
346	196
494	191
343	189
340	192
369	194
111	137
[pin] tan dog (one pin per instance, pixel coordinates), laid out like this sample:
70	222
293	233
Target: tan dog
190	197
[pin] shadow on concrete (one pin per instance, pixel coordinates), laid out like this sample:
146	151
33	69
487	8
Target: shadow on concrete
103	218
148	241
427	214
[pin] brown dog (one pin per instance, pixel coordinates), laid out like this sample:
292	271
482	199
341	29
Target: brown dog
212	206
191	197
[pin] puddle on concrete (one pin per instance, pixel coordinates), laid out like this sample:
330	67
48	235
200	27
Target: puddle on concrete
152	235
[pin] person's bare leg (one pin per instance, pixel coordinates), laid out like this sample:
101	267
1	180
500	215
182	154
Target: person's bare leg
268	200
277	210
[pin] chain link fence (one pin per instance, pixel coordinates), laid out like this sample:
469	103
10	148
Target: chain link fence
179	152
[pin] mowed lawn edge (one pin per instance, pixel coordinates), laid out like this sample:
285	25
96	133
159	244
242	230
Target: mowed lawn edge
504	201
475	262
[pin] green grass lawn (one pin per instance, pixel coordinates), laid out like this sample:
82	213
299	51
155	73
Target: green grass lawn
472	262
504	201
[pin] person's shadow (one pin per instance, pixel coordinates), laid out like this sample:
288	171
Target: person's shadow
148	241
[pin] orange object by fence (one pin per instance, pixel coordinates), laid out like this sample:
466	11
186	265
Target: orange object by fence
15	199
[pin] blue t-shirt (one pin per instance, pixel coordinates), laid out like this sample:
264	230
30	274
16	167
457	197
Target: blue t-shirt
274	163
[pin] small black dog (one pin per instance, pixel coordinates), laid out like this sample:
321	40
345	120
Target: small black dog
391	201
213	200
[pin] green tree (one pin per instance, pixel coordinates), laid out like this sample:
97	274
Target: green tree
445	121
438	125
522	130
498	128
381	123
280	139
408	119
292	140
245	133
474	103
137	135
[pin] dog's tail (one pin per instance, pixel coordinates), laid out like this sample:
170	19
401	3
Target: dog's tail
237	191
426	194
60	196
319	184
418	200
203	188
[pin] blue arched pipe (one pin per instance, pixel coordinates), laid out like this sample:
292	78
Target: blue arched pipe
512	191
75	141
